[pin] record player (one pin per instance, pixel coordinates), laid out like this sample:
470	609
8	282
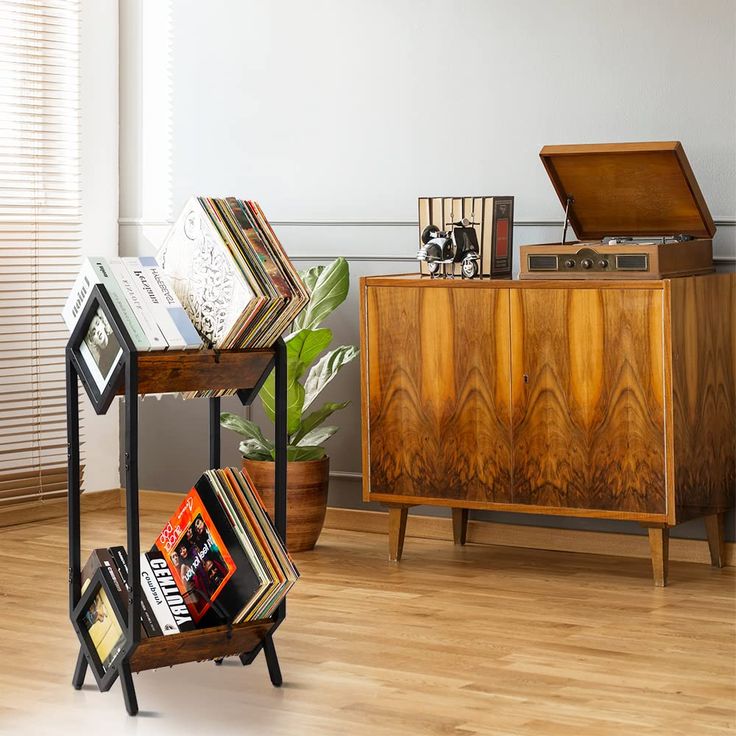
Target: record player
636	208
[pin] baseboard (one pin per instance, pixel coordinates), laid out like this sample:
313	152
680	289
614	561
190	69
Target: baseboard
155	501
517	535
426	527
25	513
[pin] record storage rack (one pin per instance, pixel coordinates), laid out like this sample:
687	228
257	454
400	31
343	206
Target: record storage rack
162	372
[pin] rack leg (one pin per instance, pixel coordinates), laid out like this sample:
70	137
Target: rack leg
247	657
80	670
272	661
126	683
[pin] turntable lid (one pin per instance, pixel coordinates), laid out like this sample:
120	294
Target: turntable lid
634	189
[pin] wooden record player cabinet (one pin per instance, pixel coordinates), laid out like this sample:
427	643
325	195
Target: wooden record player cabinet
599	399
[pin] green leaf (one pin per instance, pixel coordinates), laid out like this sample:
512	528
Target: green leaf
317	436
309	278
325	370
294	400
294	454
250	430
303	346
329	291
315	418
252	450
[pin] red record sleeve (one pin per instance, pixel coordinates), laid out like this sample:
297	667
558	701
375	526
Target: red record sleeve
196	555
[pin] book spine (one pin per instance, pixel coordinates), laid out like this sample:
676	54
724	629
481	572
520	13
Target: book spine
156	303
79	295
192	338
173	597
132	293
135	331
150	625
155	595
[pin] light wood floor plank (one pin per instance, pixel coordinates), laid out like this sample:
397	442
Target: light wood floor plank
470	641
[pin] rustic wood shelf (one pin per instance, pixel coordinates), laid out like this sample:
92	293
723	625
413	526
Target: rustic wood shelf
243	371
199	370
215	643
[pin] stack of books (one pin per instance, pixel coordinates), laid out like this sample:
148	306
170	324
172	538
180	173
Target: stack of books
150	312
218	560
231	273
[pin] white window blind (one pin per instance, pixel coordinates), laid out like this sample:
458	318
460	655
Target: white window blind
40	224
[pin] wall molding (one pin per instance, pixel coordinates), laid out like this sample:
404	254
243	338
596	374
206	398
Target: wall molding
145	222
529	537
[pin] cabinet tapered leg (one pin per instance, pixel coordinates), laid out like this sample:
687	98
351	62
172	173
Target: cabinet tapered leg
714	529
396	531
80	670
659	543
459	525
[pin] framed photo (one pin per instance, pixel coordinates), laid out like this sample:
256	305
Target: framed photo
98	349
101	624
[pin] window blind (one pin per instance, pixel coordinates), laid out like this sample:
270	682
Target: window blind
40	229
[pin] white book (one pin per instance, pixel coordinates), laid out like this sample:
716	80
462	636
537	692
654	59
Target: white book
169	315
156	598
204	275
97	271
178	314
130	288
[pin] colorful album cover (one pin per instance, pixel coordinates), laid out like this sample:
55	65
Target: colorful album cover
104	629
199	561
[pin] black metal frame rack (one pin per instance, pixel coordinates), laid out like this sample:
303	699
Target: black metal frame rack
140	373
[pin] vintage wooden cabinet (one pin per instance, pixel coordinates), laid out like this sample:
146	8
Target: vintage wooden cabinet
600	399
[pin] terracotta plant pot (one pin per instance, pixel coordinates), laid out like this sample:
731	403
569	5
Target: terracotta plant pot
306	497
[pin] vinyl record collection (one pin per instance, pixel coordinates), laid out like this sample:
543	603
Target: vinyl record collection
218	560
221	279
231	273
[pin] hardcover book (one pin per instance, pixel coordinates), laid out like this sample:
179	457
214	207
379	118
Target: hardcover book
97	271
170	317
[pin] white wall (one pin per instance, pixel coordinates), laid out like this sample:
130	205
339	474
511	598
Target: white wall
337	115
99	173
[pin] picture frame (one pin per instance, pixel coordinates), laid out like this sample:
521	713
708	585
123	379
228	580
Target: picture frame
101	627
100	349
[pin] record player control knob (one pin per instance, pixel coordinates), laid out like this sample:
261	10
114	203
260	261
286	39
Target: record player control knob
603	263
569	263
586	263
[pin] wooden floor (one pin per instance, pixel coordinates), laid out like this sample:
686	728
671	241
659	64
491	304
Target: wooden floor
478	640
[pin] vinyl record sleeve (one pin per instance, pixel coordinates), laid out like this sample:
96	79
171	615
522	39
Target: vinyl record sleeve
201	530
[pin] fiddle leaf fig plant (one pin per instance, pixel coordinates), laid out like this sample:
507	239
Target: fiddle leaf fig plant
305	346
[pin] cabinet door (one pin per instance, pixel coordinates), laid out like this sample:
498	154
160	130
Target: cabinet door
588	398
438	394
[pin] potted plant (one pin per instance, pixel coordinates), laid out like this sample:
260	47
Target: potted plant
308	463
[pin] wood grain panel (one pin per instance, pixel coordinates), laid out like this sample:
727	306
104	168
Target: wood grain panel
193	370
438	393
588	399
198	645
703	336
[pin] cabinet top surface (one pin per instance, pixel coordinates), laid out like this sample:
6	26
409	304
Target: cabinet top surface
416	280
